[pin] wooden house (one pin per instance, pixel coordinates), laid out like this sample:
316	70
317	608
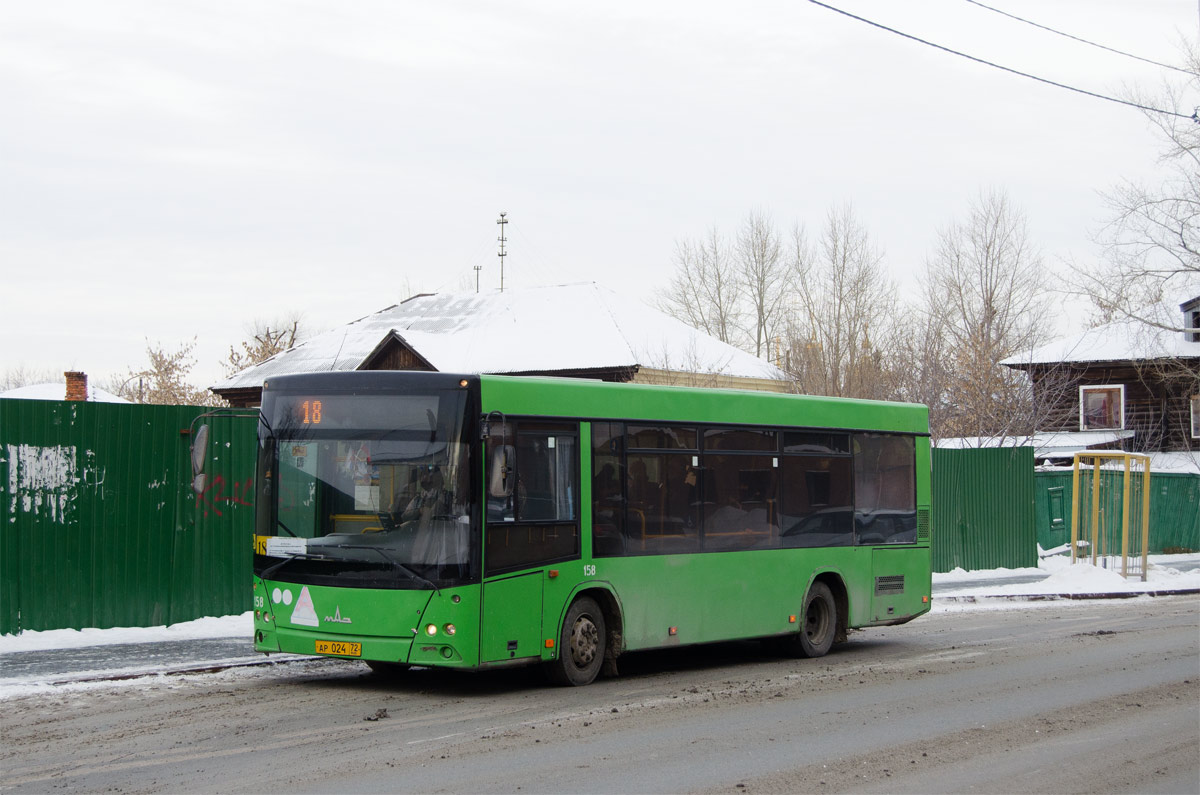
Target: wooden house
1136	379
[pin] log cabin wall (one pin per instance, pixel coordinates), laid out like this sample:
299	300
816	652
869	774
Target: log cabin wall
398	357
1157	399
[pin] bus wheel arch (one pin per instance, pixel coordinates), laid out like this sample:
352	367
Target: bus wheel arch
823	618
582	641
841	600
614	624
609	609
818	621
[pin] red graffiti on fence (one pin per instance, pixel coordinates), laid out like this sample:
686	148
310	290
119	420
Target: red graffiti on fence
214	494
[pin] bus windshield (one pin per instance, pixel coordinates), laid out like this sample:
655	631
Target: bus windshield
365	490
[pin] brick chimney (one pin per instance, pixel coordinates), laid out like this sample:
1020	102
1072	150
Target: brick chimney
76	385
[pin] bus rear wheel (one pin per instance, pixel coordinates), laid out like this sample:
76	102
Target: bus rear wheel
581	645
820	622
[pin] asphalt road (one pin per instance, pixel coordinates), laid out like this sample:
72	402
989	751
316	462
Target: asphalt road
1079	697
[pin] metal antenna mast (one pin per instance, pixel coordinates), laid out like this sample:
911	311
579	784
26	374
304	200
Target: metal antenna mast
502	221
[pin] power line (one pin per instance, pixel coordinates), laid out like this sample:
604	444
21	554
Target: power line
457	276
539	263
1194	116
1076	38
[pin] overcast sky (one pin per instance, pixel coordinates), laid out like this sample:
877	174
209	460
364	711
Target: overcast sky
178	169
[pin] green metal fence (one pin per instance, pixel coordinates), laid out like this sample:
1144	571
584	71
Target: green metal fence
983	509
1174	510
100	526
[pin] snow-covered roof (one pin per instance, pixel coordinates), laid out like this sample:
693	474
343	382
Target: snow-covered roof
1124	340
1066	444
543	329
58	391
1045	445
1181	462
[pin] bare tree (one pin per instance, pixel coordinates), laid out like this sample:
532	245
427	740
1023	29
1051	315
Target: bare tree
266	338
1152	241
763	275
19	376
1152	264
985	286
705	292
842	320
164	380
921	371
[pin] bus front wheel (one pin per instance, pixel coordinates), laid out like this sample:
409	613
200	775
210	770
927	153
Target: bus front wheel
581	644
820	618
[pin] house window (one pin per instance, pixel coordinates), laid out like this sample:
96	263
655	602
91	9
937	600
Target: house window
1191	320
1196	416
1101	408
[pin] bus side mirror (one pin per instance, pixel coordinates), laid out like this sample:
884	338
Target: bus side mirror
500	480
199	454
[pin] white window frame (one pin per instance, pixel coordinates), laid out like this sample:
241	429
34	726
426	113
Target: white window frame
1083	390
1195	410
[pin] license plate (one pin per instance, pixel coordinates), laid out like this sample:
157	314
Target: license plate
340	648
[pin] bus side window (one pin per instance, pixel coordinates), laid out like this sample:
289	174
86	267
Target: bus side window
608	502
818	508
885	491
532	516
740	504
545	477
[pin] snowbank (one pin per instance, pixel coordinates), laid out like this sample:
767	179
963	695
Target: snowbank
1057	575
201	628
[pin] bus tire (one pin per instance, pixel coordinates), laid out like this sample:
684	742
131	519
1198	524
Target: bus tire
581	645
820	621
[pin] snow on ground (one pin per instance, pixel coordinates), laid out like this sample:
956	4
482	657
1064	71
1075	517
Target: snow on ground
1056	575
201	628
298	668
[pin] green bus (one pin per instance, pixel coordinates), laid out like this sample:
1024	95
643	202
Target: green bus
428	519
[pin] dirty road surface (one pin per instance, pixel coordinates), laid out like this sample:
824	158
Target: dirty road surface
1079	697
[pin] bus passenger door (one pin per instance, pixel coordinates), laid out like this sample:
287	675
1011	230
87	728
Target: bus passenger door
512	618
531	520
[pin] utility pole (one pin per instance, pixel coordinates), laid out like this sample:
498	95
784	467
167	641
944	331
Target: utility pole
478	268
502	221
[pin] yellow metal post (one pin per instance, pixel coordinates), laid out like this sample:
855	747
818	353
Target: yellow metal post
1075	509
1126	492
1134	464
1145	517
1095	507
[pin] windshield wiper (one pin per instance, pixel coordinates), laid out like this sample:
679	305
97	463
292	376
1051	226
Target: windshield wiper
286	529
267	572
399	566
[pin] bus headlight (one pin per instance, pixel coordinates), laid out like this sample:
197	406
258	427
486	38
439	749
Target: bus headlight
431	630
448	629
